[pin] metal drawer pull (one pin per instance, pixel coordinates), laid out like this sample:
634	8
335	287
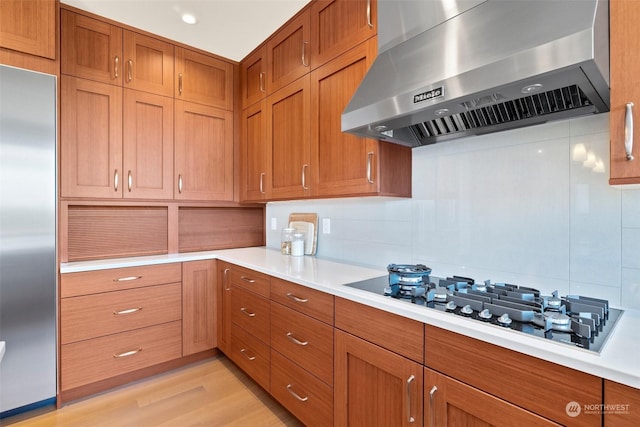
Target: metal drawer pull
130	71
248	313
431	414
296	341
369	23
409	381
127	353
628	131
244	353
246	279
295	298
296	395
127	279
304	56
369	165
226	279
116	60
127	311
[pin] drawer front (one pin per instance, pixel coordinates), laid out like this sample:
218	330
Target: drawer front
311	302
89	361
251	355
391	331
301	393
117	279
306	341
92	316
251	312
250	280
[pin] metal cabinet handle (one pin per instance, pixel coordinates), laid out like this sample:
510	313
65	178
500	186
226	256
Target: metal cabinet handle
180	183
295	298
127	353
304	177
369	23
226	279
129	181
127	279
129	70
244	353
296	341
115	180
127	311
116	62
432	416
262	183
628	131
180	83
247	313
296	395
247	279
369	167
304	54
262	82
409	416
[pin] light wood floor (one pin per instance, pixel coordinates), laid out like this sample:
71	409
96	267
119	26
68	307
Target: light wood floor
210	393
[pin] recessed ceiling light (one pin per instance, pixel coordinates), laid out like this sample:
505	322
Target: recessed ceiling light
189	18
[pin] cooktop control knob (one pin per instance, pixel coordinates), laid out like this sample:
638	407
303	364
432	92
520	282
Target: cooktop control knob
485	314
450	305
466	309
504	319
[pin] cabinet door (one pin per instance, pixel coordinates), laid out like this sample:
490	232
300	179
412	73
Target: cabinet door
288	53
374	386
148	64
253	75
203	79
198	306
91	49
91	134
337	25
224	308
625	88
148	146
343	164
203	152
623	404
255	153
288	136
448	402
29	26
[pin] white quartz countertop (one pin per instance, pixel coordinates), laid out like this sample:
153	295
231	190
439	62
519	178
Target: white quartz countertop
618	360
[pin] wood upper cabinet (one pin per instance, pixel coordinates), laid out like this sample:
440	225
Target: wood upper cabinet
91	133
338	25
374	386
148	64
288	52
625	88
254	77
29	26
255	153
203	79
448	402
147	170
622	405
288	139
203	152
91	49
199	329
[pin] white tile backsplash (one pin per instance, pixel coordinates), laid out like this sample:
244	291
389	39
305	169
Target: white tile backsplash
530	206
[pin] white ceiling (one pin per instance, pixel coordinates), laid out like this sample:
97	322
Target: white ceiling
229	28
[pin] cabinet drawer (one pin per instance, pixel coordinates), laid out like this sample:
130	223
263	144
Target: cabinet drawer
306	341
251	355
100	358
301	393
311	302
92	316
251	280
391	331
116	279
251	312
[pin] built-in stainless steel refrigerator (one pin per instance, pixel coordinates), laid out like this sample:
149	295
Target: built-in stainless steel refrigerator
28	273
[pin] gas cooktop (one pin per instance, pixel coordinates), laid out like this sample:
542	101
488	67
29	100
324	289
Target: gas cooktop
573	320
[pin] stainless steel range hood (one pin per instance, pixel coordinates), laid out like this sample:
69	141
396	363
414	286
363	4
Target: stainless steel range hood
499	65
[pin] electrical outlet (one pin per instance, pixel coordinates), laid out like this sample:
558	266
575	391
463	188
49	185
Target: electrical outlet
274	224
326	226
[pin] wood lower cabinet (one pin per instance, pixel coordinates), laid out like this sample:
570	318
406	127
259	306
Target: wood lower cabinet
223	319
29	26
199	329
621	405
203	79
